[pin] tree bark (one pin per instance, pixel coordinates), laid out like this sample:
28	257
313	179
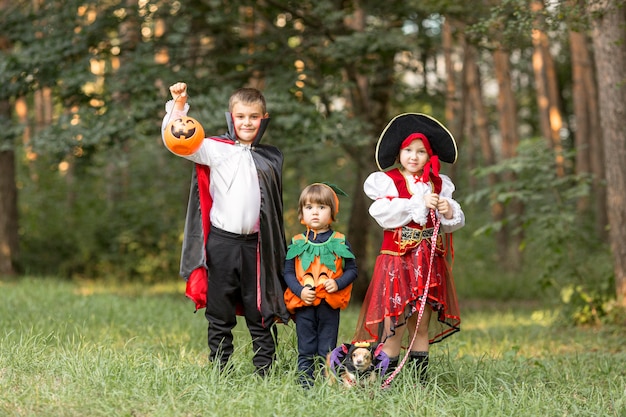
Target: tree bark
588	131
507	110
368	96
609	37
9	237
455	119
9	241
475	99
551	120
466	125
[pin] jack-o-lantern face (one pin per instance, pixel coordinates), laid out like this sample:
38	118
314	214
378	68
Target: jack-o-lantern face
317	273
184	135
314	280
184	128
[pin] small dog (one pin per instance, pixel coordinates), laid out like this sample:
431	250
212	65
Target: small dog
354	364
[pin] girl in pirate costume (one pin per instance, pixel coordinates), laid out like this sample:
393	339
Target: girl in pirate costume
319	271
411	203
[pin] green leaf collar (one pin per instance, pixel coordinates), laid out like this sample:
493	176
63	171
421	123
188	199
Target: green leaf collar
327	251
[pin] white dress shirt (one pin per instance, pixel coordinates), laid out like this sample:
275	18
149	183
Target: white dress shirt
234	182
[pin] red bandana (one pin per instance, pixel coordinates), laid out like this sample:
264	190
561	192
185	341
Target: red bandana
431	169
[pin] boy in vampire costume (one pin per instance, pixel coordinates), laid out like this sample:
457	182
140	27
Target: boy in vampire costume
233	251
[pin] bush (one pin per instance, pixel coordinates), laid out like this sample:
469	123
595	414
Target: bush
562	253
123	225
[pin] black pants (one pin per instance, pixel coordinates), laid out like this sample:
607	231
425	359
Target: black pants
232	267
316	328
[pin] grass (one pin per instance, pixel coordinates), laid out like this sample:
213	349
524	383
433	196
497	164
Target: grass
70	349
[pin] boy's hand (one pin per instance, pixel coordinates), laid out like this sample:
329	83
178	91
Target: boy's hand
179	94
307	295
331	286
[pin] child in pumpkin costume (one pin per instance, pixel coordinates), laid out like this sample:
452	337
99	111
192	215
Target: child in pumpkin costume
409	201
319	271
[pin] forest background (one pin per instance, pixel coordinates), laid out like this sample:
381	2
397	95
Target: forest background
533	91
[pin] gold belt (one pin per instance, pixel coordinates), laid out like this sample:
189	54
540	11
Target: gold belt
410	234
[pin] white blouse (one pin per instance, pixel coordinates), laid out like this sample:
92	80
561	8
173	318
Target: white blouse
390	211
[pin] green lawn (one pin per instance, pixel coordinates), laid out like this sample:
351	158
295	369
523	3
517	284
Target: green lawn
88	350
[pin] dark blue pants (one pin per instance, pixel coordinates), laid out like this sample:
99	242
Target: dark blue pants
232	267
316	328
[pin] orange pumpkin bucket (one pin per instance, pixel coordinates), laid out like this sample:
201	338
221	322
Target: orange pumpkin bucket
183	135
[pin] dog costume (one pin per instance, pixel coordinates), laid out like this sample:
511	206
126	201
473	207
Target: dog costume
344	370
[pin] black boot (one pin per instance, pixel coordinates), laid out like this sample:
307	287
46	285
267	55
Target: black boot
418	363
393	364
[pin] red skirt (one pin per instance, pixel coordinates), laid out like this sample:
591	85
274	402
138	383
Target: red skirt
396	291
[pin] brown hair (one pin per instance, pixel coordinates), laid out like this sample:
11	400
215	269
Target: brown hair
319	194
248	96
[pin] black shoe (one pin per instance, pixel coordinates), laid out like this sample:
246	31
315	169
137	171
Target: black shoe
306	382
263	371
393	365
391	368
223	368
418	364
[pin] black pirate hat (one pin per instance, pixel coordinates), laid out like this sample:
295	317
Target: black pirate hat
402	126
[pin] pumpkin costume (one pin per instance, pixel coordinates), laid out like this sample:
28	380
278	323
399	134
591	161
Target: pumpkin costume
315	263
313	259
317	325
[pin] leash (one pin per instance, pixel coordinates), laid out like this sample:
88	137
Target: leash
433	248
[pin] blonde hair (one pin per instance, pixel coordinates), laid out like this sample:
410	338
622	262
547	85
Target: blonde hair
318	194
248	96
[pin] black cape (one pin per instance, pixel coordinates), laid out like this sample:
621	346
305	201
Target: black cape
272	245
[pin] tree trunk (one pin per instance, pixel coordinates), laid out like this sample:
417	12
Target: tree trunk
475	99
21	111
508	243
609	20
118	172
550	117
9	241
588	131
507	110
454	112
9	238
359	228
466	125
368	96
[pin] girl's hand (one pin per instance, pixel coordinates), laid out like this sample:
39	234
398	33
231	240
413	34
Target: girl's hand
444	208
431	200
307	295
331	286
